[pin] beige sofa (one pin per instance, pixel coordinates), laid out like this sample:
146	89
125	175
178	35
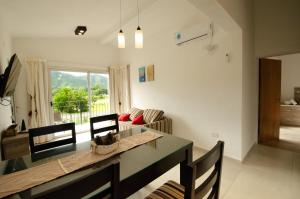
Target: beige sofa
164	124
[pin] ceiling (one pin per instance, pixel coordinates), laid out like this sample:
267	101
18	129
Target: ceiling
59	18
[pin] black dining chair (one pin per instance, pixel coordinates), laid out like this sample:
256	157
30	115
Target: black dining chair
35	132
210	188
83	186
104	118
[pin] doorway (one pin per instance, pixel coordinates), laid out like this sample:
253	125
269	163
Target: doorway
77	96
279	101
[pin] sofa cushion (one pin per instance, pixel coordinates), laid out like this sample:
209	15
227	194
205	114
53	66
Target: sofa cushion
127	125
134	112
138	120
152	115
124	117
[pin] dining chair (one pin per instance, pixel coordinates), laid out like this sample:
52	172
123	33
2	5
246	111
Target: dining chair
210	188
47	130
104	118
85	185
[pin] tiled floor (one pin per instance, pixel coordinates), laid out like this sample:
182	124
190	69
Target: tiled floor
266	173
289	139
290	134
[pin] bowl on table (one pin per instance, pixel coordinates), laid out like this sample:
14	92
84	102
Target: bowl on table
106	144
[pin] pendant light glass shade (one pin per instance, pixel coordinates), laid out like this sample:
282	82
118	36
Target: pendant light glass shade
121	39
139	38
121	36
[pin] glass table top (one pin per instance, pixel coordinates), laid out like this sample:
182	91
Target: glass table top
131	161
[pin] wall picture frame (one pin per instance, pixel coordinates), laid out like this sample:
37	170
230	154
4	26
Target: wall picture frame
142	74
150	72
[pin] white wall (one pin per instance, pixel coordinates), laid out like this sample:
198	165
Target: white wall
5	54
242	13
5	48
65	52
81	51
277	27
198	89
290	73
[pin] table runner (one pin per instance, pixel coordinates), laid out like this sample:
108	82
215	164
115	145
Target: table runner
28	178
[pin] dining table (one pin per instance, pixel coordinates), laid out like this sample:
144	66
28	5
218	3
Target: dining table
139	166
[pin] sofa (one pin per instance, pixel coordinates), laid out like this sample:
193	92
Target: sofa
152	118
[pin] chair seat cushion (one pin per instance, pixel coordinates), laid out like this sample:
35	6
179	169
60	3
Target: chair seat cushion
169	190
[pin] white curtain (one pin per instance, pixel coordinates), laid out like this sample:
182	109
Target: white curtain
119	85
38	91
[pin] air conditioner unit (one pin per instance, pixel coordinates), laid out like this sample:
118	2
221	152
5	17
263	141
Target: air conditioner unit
198	31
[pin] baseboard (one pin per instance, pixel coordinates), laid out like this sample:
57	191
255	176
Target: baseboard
250	149
225	155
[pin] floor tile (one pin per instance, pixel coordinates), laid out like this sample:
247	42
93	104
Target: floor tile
265	157
257	183
266	173
290	134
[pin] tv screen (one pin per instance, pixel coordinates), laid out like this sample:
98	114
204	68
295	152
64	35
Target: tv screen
10	77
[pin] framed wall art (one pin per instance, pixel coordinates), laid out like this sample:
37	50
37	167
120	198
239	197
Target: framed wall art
142	74
150	72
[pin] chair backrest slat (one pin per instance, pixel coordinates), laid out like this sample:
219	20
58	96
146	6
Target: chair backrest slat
41	131
212	194
211	185
87	184
46	130
103	118
108	128
53	144
207	185
207	161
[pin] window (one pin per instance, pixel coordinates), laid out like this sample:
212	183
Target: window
77	96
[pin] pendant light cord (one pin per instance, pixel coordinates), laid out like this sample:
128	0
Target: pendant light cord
138	8
120	14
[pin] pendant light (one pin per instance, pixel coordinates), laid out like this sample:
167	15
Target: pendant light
139	40
121	36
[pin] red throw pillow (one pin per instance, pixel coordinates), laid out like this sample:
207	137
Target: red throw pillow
138	120
124	117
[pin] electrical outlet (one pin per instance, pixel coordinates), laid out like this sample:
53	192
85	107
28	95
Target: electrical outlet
215	135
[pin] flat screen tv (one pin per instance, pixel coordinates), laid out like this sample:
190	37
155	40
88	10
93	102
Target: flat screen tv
9	79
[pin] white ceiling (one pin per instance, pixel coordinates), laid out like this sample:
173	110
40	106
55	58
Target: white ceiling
59	18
